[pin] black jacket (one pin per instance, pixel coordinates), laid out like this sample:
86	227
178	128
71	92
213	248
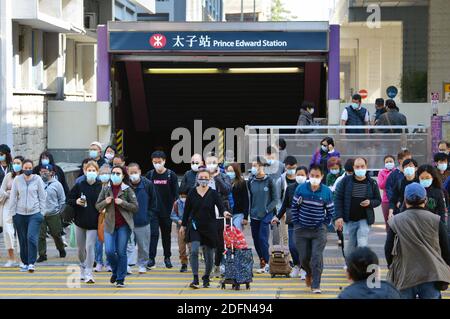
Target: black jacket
188	181
287	200
85	217
398	194
240	198
360	290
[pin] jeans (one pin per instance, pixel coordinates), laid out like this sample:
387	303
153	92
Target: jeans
116	251
356	234
260	234
99	253
220	244
28	228
311	244
292	246
53	222
207	252
154	235
142	238
237	221
423	291
86	239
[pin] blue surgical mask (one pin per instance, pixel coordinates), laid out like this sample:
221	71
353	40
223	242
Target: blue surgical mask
334	171
135	177
91	176
426	182
389	165
355	106
254	170
324	148
231	175
291	171
104	178
442	167
93	154
2	158
17	167
45	161
116	179
360	172
410	171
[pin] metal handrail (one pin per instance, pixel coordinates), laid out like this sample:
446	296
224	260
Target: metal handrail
338	127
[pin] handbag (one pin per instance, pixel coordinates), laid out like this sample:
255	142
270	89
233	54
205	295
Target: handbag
73	240
101	226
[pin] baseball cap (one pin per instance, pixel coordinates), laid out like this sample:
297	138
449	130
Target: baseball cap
415	192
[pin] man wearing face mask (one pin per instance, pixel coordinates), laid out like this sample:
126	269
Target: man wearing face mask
220	182
146	197
306	117
441	162
398	194
355	115
165	182
189	179
275	168
95	154
55	203
356	197
444	147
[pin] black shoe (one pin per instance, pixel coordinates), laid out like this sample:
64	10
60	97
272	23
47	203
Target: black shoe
206	282
94	265
62	254
120	284
194	285
183	268
113	279
151	264
168	263
41	259
291	263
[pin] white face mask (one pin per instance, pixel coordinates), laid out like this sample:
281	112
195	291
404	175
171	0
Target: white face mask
311	111
109	156
211	167
158	166
195	167
315	181
300	179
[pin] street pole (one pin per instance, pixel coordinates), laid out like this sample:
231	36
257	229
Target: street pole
242	10
254	10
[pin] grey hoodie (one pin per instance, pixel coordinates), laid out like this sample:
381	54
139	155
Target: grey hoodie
27	198
263	197
56	199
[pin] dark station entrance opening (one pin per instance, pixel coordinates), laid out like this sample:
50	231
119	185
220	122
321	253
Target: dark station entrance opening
222	95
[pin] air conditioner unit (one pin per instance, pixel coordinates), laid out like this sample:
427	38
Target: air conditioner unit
90	20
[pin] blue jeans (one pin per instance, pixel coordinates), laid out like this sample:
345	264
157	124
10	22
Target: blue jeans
424	291
237	221
292	245
356	234
99	253
28	228
154	235
260	235
116	251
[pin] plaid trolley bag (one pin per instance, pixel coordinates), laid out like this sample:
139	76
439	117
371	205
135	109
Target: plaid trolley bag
238	259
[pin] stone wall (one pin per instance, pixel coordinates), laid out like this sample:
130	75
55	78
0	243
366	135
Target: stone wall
29	125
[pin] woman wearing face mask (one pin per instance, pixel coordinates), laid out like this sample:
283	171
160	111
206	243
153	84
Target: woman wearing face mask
300	178
121	204
94	154
5	161
430	180
199	224
389	167
324	153
82	198
334	171
27	203
109	154
240	196
396	202
6	213
104	176
46	158
306	117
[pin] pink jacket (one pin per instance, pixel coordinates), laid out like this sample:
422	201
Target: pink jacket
382	178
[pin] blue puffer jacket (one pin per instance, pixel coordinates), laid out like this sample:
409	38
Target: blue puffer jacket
343	198
146	198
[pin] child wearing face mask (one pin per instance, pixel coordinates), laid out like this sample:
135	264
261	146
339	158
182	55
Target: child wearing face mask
177	218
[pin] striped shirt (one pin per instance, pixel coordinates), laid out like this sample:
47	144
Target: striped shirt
312	209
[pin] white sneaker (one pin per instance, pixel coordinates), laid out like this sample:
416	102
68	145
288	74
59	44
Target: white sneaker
295	272
23	268
98	268
316	291
302	274
345	267
31	268
142	270
9	264
108	269
89	279
264	270
129	271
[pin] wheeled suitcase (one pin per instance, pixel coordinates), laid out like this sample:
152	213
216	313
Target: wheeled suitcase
238	262
279	260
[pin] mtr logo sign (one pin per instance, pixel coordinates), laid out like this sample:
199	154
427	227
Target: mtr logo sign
158	41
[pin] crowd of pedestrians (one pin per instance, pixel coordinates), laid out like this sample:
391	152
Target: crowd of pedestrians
114	208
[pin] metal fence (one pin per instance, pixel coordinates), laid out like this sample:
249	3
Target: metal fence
372	145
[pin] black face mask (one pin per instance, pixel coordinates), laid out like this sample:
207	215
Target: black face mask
28	172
